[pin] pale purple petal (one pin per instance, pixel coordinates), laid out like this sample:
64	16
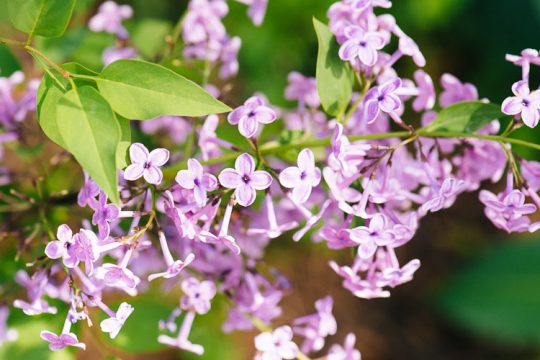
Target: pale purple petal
260	180
245	194
158	157
153	175
138	153
512	106
185	179
229	178
290	177
244	164
248	126
134	171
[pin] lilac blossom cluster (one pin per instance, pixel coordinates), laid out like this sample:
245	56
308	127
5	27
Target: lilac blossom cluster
206	227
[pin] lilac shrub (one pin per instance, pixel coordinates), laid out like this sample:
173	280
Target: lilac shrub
358	177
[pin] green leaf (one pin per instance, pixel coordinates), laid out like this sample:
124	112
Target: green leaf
149	36
49	93
465	117
125	142
335	78
8	62
48	18
497	295
140	90
91	132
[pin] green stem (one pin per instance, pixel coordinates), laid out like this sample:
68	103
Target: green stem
51	63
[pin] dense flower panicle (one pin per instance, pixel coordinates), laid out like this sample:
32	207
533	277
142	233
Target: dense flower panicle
376	189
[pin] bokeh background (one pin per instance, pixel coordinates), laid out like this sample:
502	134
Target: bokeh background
477	294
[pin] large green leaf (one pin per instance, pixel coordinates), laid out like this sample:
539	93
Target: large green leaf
49	93
139	90
335	78
48	18
125	142
465	117
497	295
91	132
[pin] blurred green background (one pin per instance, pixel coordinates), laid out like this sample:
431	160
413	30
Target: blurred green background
477	295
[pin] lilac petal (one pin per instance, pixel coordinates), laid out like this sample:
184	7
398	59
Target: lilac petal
54	249
64	233
301	192
158	157
290	177
244	164
306	160
521	88
237	114
209	182
390	86
200	195
153	175
512	106
248	126
265	115
371	111
349	50
138	153
367	249
530	116
229	178
260	180
367	55
253	103
375	39
195	167
186	179
134	171
390	103
245	194
48	336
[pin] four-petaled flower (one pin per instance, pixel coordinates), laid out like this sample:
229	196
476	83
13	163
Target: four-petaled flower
249	115
195	179
382	98
377	233
524	102
113	325
245	179
58	248
301	178
103	215
361	44
276	345
58	342
197	295
145	164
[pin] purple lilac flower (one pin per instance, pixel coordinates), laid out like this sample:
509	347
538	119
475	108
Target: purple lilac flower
345	352
525	59
197	295
303	89
120	277
58	248
88	193
361	44
84	248
145	164
455	91
256	10
507	210
195	179
58	342
173	267
222	238
377	233
382	98
531	172
276	345
182	341
104	214
114	53
250	115
524	103
110	17
444	196
175	127
114	324
274	229
245	179
302	178
316	327
229	58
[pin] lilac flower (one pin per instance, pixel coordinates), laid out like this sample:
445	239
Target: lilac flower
114	324
525	103
114	53
110	17
531	172
229	58
510	206
382	98
527	57
301	178
316	327
337	238
394	276
36	307
84	248
58	342
197	295
250	115
455	91
377	233
361	44
345	352
195	179
408	47
303	89
58	248
425	100
276	345
256	11
274	229
182	341
144	164
88	192
117	276
104	214
222	238
245	179
173	267
445	195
